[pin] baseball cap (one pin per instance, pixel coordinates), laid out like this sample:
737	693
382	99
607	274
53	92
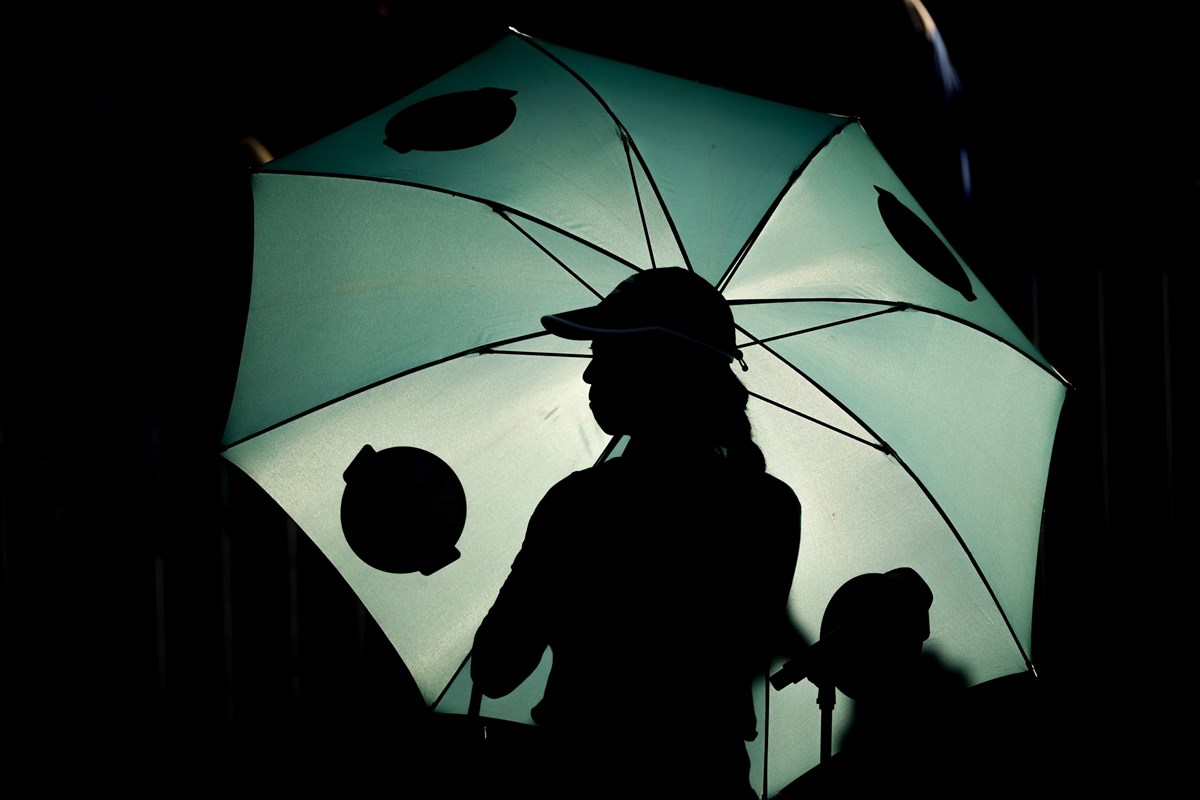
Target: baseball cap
671	300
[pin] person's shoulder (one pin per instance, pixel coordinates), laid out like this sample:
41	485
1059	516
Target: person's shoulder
610	469
579	491
591	479
778	488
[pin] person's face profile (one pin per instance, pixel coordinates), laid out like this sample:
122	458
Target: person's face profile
620	375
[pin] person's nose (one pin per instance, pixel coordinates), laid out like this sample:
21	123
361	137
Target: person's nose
589	373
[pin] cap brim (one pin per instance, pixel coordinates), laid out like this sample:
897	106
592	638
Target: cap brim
581	323
593	323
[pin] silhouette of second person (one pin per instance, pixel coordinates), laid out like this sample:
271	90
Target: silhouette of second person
659	579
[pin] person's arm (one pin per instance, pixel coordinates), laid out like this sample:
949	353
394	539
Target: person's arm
514	635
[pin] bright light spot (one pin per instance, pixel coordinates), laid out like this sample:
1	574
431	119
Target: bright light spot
946	71
260	153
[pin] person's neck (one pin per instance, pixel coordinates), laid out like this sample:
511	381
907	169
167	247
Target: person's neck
669	446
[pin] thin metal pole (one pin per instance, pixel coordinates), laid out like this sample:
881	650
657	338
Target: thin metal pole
826	700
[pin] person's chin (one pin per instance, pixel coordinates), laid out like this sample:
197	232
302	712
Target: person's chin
606	423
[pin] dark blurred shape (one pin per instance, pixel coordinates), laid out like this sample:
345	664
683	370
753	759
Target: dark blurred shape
909	711
403	509
922	244
874	624
452	121
873	630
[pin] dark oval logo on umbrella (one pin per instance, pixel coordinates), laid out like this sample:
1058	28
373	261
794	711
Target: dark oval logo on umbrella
452	121
403	509
922	244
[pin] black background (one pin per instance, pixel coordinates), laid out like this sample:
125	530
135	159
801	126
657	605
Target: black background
157	605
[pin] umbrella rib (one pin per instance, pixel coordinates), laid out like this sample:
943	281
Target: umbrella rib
507	212
442	694
879	444
491	351
883	448
480	350
970	557
631	149
834	324
740	256
893	305
627	143
887	449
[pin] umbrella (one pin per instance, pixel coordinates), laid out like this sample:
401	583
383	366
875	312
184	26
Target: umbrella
401	267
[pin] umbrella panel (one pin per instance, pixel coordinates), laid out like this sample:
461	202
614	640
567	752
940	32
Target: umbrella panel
491	417
357	281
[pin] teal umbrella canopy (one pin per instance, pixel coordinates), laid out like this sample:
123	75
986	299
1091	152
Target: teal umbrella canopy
401	269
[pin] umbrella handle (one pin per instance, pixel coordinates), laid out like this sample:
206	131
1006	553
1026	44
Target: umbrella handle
475	723
476	701
826	700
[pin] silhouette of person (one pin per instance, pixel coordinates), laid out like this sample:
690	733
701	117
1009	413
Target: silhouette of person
906	702
659	579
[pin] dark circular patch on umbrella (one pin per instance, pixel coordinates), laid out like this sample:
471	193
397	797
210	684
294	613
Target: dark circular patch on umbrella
922	244
403	509
452	121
